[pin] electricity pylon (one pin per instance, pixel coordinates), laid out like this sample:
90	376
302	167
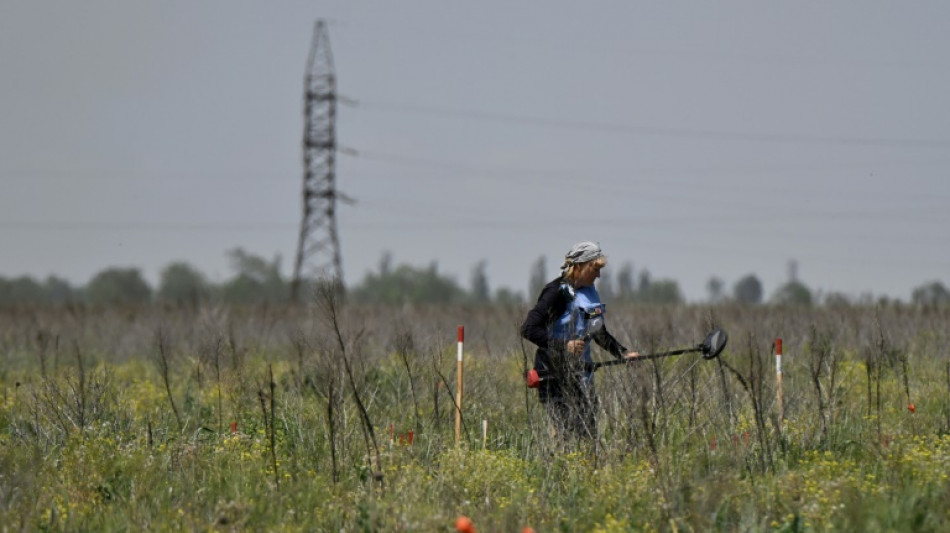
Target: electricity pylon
318	249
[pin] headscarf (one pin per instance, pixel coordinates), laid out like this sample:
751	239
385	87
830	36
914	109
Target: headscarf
582	252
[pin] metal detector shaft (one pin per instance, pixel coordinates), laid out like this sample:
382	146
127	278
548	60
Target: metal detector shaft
534	377
711	347
643	357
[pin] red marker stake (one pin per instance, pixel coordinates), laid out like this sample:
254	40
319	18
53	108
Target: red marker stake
778	382
458	396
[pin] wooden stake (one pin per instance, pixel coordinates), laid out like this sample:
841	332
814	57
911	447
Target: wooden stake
458	396
778	383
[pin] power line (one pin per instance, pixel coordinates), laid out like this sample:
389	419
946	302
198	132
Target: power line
481	222
62	225
487	217
683	133
506	173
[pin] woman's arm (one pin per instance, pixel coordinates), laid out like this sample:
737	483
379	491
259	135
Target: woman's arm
605	340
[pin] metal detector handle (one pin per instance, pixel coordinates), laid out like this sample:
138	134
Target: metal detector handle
644	357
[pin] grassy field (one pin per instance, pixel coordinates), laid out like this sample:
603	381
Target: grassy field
276	418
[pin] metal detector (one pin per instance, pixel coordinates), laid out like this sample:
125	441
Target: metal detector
711	347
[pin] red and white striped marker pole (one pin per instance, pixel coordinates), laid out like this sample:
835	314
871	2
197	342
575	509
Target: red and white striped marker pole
778	382
458	396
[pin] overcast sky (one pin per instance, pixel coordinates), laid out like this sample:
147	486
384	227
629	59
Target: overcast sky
692	139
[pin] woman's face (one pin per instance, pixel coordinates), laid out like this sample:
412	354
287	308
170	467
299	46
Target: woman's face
588	272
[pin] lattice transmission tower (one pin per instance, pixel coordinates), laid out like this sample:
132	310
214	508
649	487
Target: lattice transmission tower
318	249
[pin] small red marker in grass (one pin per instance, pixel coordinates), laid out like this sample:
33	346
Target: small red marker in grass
911	408
464	525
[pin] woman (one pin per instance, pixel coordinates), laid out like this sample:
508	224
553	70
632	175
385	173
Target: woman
569	313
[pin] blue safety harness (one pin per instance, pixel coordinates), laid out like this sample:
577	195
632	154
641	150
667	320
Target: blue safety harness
584	314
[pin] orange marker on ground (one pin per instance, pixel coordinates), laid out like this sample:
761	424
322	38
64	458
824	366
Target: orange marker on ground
464	525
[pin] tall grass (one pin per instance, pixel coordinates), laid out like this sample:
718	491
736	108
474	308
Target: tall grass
122	419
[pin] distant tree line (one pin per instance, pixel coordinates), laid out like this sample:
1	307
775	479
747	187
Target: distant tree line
642	288
257	280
